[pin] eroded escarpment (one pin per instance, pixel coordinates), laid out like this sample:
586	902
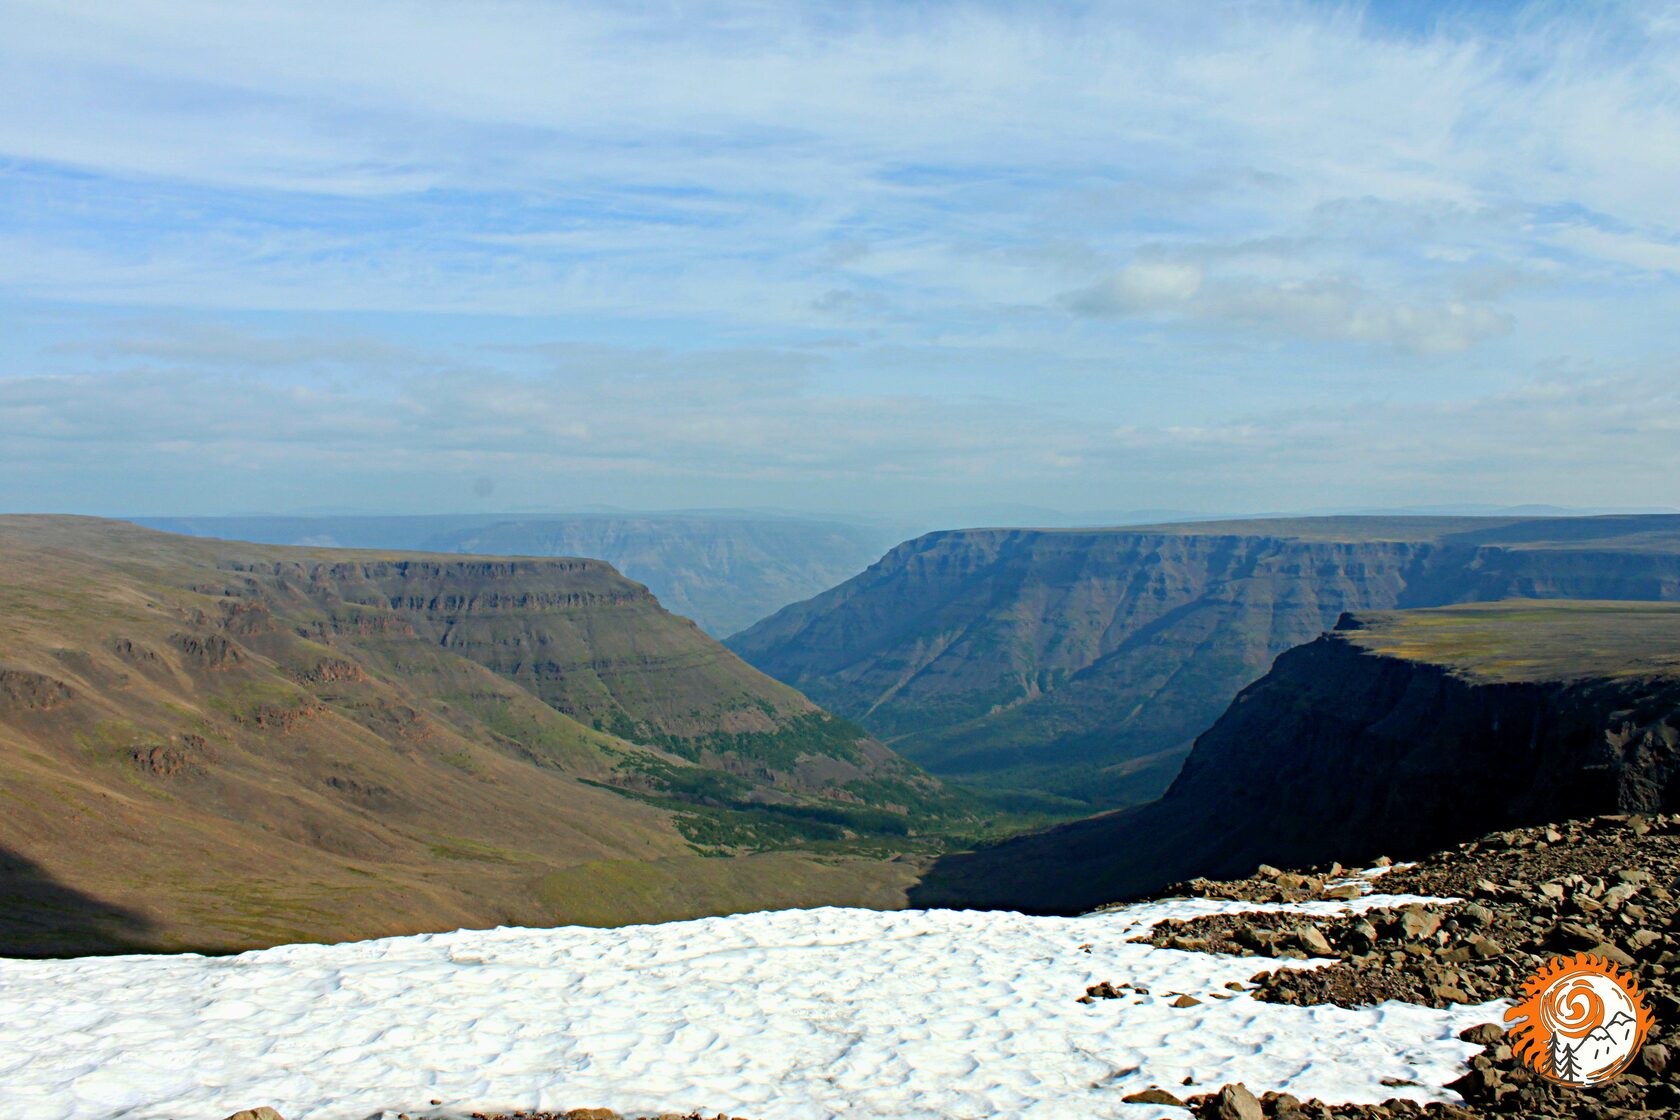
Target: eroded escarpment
1349	749
1084	662
243	745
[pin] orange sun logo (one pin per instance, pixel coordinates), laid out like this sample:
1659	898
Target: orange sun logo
1580	1022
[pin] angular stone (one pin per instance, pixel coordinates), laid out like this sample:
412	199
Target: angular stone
1185	1001
1152	1096
1610	952
1235	1102
1476	914
263	1113
1573	935
1313	941
1486	948
1416	923
1482	1034
1617	895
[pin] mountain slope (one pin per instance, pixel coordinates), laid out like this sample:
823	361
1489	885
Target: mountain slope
1397	733
1083	662
222	745
723	570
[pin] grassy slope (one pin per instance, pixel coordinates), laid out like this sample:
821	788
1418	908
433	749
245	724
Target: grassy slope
217	746
1531	640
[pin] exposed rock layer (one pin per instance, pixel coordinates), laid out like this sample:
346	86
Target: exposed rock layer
1344	753
1085	662
221	746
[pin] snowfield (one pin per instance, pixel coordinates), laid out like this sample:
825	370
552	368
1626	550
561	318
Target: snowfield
790	1015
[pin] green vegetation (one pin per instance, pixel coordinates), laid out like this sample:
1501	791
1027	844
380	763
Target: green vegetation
1043	667
619	892
348	745
465	848
1529	640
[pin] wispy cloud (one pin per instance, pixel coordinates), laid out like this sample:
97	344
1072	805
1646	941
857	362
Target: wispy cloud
805	245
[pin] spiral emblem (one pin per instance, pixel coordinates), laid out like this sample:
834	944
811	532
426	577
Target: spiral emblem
1580	1022
1571	1008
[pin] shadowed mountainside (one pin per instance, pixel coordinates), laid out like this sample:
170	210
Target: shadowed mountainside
1398	733
236	745
723	570
1083	663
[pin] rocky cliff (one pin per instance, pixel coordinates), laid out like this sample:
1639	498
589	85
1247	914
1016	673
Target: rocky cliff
1084	662
215	745
723	570
1396	734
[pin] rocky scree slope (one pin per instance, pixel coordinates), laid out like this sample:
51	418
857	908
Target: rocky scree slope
1398	732
1083	663
221	746
1605	886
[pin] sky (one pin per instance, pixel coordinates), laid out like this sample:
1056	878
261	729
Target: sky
866	258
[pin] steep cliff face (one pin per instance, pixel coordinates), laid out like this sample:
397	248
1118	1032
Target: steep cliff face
725	571
214	745
598	648
1399	734
1084	662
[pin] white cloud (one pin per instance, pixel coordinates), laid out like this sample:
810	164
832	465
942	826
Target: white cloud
802	242
1645	253
1320	308
1139	288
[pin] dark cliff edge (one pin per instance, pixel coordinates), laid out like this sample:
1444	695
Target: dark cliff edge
1396	734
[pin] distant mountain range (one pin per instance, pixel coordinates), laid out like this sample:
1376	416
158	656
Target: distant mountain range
1072	668
218	745
1397	734
725	570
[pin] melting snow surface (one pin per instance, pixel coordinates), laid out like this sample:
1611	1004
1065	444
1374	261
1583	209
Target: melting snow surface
790	1015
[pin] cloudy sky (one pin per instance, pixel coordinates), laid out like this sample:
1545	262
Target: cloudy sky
430	256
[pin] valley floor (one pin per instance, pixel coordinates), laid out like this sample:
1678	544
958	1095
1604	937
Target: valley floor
789	1015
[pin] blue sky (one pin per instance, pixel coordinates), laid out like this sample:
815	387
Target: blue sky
870	258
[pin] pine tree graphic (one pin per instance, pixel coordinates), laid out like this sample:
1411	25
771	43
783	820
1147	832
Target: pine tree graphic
1564	1065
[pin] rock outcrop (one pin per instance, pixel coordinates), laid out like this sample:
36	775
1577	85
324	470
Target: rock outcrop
1085	662
1396	734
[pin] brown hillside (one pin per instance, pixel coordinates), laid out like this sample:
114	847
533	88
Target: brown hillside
216	745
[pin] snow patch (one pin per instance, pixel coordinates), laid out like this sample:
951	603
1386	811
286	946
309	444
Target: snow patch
788	1015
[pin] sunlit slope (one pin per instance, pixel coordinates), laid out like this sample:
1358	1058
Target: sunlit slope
1082	663
217	745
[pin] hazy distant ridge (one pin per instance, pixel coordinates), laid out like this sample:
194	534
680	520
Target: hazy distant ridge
725	571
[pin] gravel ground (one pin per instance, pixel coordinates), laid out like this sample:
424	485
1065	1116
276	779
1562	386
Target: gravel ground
1606	886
